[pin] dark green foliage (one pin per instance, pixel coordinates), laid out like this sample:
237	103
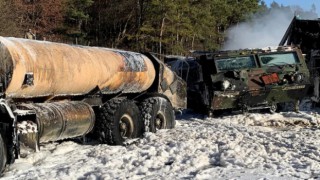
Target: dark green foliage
162	26
77	16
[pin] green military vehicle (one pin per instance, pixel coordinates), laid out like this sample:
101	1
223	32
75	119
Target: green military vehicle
245	79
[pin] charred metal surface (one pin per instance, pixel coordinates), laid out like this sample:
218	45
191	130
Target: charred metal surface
6	68
174	89
30	69
303	33
170	84
306	35
246	78
61	120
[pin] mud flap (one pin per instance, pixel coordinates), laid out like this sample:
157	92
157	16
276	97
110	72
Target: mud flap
315	96
28	135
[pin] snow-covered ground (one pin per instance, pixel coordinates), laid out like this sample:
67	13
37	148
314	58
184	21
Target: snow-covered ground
247	146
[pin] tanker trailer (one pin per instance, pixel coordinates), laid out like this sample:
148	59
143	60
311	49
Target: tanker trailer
51	91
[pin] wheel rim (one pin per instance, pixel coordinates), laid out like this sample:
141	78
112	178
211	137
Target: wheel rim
160	121
126	126
273	108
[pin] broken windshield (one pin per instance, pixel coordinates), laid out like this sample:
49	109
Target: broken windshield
234	63
279	59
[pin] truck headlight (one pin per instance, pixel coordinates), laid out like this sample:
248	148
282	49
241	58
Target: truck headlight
225	84
298	77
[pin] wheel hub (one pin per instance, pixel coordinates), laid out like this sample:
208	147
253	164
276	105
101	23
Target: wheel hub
273	108
126	126
123	126
160	121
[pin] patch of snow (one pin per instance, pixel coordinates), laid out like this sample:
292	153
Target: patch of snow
25	127
22	112
248	146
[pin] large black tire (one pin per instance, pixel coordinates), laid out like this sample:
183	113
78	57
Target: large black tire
157	113
3	155
118	120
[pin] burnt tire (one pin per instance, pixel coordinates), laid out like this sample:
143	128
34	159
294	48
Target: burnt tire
157	113
3	155
117	121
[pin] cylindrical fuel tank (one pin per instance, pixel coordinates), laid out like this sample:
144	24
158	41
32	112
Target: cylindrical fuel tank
30	68
61	120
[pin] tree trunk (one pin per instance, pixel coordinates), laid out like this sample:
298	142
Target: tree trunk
161	33
192	43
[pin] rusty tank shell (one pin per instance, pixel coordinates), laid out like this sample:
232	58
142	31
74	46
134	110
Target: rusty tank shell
61	120
30	68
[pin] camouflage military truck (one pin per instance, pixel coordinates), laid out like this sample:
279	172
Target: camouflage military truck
244	80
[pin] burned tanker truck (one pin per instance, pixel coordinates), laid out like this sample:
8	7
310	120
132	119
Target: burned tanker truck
51	91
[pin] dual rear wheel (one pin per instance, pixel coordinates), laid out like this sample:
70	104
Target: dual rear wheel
117	121
121	119
157	114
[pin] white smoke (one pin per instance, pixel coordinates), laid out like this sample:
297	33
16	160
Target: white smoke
263	31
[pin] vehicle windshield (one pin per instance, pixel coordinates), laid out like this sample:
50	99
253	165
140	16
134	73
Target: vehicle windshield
279	59
233	63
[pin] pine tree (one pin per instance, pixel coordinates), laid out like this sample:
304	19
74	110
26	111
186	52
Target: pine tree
77	17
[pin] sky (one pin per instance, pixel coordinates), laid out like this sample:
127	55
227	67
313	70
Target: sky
305	4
